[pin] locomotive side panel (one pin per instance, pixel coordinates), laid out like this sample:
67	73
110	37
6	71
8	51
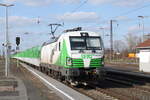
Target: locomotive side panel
64	52
47	53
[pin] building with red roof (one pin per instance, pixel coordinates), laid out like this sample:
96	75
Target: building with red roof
144	55
144	45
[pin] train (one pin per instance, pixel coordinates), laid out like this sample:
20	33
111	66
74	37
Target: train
74	56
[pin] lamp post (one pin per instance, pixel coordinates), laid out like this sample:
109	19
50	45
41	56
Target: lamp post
142	17
7	44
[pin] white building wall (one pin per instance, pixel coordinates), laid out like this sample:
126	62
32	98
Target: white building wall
144	56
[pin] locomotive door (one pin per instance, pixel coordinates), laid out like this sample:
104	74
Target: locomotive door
56	54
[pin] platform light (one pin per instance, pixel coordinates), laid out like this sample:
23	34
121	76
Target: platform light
7	50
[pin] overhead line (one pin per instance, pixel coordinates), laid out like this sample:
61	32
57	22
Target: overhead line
74	10
126	13
131	11
83	3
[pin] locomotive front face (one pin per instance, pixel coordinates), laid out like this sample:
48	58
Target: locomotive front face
86	51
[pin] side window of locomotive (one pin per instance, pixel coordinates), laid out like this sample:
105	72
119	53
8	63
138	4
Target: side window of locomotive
59	46
102	44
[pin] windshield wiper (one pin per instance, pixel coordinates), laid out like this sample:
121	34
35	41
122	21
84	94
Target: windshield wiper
81	51
93	50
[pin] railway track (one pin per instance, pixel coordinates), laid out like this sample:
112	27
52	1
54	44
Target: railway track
115	87
89	91
93	92
136	87
123	87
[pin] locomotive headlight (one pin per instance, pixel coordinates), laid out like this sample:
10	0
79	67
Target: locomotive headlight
69	61
102	62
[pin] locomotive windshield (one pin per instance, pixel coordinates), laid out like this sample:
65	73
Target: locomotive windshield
77	43
85	43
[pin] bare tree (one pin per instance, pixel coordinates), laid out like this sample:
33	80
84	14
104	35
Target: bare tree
119	46
132	41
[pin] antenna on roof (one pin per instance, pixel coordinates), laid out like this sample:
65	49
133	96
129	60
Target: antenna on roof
54	27
74	29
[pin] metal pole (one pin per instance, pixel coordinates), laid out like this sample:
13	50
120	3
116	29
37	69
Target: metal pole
3	48
102	33
142	17
7	61
17	49
143	28
111	39
7	44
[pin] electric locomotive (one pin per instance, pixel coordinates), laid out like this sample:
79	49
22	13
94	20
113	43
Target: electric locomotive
75	56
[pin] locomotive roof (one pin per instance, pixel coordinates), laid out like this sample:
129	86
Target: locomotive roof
77	33
73	33
51	41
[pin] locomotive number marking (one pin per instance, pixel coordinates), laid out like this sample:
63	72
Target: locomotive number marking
86	56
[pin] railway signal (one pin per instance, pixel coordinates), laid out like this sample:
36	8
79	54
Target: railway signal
17	47
17	41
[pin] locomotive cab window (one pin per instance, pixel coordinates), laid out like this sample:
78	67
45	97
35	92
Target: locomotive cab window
85	43
77	43
93	43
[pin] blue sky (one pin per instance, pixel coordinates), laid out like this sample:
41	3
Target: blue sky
92	15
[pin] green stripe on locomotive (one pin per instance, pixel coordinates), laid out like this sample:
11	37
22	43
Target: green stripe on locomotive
94	63
63	55
30	53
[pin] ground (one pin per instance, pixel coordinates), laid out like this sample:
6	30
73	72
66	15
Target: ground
36	90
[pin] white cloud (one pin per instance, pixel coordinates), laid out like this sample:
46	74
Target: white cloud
19	21
8	1
138	29
70	1
18	25
82	17
126	3
100	1
22	21
42	2
133	29
30	2
121	17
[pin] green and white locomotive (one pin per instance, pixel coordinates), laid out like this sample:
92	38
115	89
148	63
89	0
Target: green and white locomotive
75	55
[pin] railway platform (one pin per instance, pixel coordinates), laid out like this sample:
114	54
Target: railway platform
21	85
12	87
62	90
